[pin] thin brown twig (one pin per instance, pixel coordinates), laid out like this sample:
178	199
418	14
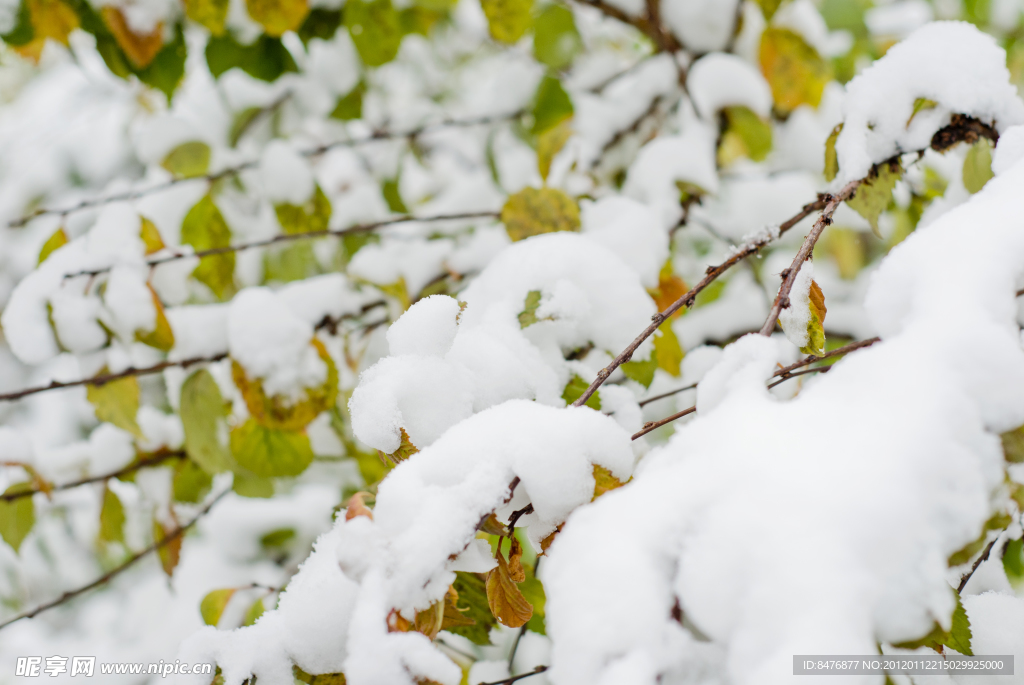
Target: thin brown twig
804	253
670	393
654	425
376	136
507	681
977	562
130	468
106	577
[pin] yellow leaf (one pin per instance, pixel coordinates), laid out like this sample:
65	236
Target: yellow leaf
213	605
188	160
311	217
670	288
604	481
117	402
816	323
17	516
533	211
874	194
978	166
278	16
57	240
667	349
111	517
210	13
795	71
204	228
161	337
515	560
831	159
140	48
170	552
50	19
508	20
270	452
151	237
504	598
549	144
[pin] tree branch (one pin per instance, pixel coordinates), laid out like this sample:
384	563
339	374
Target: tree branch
106	577
130	468
507	681
977	562
376	136
653	425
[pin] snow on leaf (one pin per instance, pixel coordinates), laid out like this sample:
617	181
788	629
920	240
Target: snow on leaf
506	602
958	637
170	548
278	16
188	160
111	517
204	228
210	13
270	452
549	144
641	371
356	507
533	211
405	450
831	159
528	316
508	20
430	620
17	516
978	166
161	337
202	411
375	29
117	402
140	48
875	192
604	481
57	240
921	105
556	42
211	608
795	71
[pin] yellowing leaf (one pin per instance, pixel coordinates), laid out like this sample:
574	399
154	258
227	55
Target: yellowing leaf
140	48
311	217
556	42
188	160
667	350
202	412
213	605
504	598
978	166
550	143
111	517
515	560
210	13
190	483
398	291
47	19
816	324
17	516
376	30
1013	445
472	596
604	481
405	449
528	316
795	71
254	612
533	211
278	16
551	105
508	20
270	452
831	159
151	237
204	228
875	193
117	402
161	337
170	548
281	412
575	388
57	240
251	486
745	135
453	616
670	288
430	619
769	7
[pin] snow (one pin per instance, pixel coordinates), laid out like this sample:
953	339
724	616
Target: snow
795	318
953	64
719	80
285	175
630	230
702	25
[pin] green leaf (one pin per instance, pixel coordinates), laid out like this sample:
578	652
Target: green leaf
265	59
978	166
117	402
1013	445
1013	562
350	105
375	29
278	16
188	160
210	13
575	388
769	7
251	486
17	516
533	592
111	517
473	596
549	144
311	217
57	240
875	193
389	189
213	605
243	120
528	316
508	20
831	160
667	350
533	211
320	23
202	413
958	637
191	482
269	452
998	521
204	228
641	372
921	105
289	263
23	31
167	69
556	42
254	612
795	71
745	135
278	538
551	105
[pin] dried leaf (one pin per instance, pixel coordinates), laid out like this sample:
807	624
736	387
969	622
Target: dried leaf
161	337
546	542
429	620
492	526
508	20
533	211
515	560
356	506
57	240
453	616
795	71
875	193
117	402
213	605
140	48
504	598
278	16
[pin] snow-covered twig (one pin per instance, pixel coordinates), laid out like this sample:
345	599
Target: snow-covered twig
109	575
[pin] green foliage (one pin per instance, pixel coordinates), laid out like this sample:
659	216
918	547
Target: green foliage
310	217
389	189
213	605
278	16
1013	562
958	637
265	58
575	388
350	105
254	612
556	42
745	135
551	105
117	402
831	159
204	228
202	413
375	29
1013	445
191	482
528	316
210	13
111	517
978	166
508	20
17	516
270	452
641	371
549	144
533	211
875	193
795	71
188	160
473	596
320	23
